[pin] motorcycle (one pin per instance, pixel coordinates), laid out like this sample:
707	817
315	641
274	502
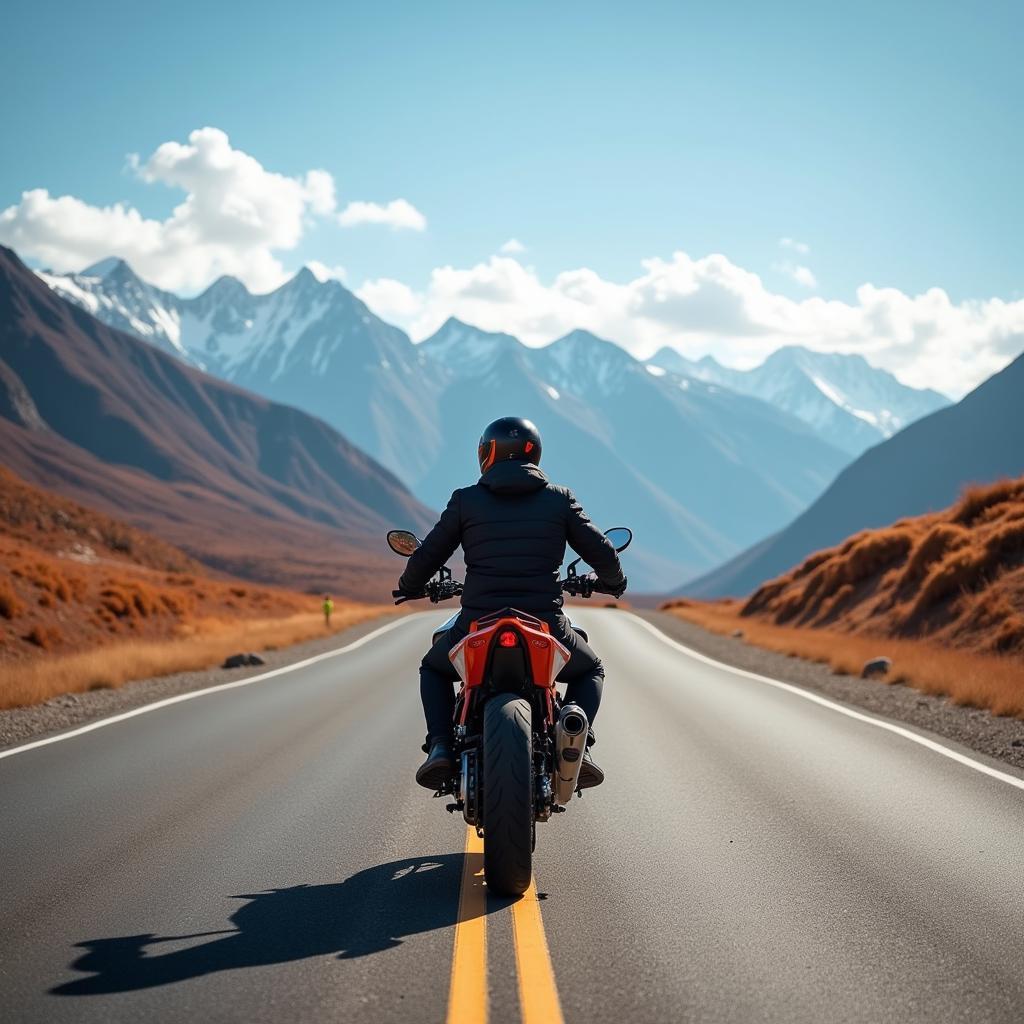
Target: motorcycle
518	749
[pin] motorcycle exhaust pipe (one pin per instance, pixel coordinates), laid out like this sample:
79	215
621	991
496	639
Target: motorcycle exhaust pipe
570	742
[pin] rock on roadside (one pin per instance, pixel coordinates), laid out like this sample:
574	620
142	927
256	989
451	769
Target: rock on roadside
876	667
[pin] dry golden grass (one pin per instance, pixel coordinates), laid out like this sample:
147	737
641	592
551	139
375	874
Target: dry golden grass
204	643
967	677
942	595
87	601
955	577
50	602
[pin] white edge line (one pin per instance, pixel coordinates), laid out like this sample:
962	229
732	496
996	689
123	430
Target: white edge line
907	734
167	701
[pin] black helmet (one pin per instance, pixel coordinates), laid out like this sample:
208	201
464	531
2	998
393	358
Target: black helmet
511	437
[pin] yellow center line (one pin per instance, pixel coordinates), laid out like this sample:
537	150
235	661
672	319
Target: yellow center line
538	996
467	996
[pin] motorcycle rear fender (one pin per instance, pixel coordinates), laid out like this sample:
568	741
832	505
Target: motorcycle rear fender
546	655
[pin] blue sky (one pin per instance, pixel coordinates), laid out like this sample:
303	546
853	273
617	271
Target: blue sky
884	137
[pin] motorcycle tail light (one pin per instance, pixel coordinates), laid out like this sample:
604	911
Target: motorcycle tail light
508	638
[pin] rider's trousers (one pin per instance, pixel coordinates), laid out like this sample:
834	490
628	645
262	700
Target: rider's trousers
583	673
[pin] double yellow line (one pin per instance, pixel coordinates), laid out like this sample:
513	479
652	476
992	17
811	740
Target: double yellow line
467	997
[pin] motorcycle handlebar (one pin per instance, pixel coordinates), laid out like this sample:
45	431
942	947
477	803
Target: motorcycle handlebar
444	590
436	590
583	586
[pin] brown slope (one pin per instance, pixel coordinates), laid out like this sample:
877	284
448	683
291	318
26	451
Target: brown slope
955	576
87	601
241	483
52	523
73	579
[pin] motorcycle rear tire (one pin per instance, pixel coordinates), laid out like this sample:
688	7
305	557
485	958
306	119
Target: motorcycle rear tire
508	795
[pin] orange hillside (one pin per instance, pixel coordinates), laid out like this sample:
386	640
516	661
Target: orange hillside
954	577
62	527
941	595
88	601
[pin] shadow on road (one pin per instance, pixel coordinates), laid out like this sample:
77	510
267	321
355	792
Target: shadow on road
369	912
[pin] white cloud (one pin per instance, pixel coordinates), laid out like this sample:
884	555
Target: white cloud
712	305
791	243
397	214
803	276
390	299
512	247
235	217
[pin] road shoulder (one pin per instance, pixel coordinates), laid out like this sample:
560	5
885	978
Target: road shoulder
68	711
1001	739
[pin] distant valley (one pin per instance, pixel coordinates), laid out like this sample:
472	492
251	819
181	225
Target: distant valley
699	467
919	470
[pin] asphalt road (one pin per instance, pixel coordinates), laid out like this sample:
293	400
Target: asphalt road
262	854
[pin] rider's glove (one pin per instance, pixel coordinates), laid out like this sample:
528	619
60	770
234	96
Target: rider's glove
616	591
401	593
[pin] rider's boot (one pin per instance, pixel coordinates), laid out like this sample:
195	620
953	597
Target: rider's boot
590	774
439	765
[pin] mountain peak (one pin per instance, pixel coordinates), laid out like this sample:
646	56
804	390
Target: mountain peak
225	287
454	331
579	336
665	352
462	325
801	357
105	267
671	359
579	342
304	280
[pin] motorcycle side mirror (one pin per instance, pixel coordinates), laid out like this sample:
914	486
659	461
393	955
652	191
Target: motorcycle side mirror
620	536
402	542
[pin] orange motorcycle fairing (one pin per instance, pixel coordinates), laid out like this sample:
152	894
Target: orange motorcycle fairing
546	655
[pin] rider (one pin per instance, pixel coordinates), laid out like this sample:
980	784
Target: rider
513	525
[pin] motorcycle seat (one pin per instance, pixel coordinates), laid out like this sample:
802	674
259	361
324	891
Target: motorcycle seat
578	629
444	627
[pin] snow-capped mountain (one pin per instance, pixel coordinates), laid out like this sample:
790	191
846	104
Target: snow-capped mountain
848	401
112	292
690	466
921	469
309	343
698	470
248	486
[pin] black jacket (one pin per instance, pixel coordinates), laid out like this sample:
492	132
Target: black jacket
513	526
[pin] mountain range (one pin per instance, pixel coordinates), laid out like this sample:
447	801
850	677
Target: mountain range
240	482
311	344
702	460
699	471
921	469
677	461
850	403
